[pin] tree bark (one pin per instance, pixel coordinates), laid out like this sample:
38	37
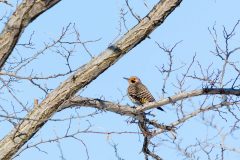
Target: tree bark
25	13
10	144
133	112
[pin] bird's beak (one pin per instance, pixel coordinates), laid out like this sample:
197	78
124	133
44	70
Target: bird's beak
125	78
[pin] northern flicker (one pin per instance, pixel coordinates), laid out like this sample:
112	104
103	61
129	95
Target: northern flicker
138	92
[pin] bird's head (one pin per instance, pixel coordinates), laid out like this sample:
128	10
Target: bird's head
133	80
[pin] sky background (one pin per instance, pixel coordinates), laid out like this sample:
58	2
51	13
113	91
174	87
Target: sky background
95	20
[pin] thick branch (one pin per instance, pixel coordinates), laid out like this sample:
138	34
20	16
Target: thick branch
133	112
25	13
111	107
136	112
184	95
10	144
126	110
99	104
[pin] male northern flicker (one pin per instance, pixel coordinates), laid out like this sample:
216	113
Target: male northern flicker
138	92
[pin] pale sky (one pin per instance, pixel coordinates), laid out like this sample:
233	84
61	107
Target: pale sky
100	20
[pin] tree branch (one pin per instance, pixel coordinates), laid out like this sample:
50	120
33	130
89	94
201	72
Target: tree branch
137	111
25	13
10	144
184	95
133	112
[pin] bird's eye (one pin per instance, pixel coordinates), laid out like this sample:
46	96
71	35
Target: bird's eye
133	81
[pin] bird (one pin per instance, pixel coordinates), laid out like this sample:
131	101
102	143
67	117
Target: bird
138	92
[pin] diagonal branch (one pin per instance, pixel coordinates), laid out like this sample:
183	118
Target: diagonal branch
201	110
25	13
128	111
11	143
137	112
184	95
143	121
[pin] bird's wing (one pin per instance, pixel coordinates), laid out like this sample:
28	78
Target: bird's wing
145	95
140	94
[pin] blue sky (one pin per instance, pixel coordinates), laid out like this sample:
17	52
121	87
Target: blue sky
100	20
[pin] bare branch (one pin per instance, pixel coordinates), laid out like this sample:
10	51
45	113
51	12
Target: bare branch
133	112
25	13
83	76
6	2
